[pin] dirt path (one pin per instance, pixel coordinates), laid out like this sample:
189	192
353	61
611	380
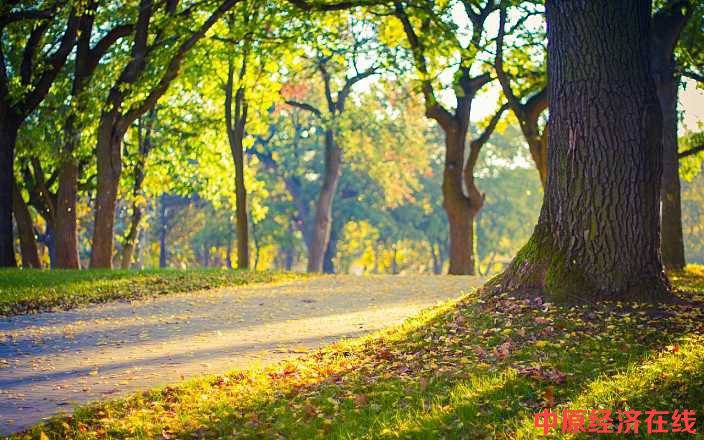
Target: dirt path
52	361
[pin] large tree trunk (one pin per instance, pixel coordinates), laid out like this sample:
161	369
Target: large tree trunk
598	232
8	137
323	211
25	228
109	162
672	244
458	207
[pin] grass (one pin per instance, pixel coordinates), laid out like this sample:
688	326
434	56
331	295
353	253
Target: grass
28	291
477	368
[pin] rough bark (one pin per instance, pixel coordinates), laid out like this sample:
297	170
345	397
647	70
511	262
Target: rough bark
8	137
25	228
672	241
322	222
66	220
109	160
667	24
598	232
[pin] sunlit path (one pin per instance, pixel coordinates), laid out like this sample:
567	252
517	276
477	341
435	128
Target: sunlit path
51	361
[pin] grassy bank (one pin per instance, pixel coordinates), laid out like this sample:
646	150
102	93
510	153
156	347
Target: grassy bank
478	368
27	291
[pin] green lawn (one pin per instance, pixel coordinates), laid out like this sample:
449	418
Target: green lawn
27	291
477	368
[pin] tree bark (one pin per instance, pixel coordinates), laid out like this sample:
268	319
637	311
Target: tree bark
66	220
331	251
8	137
460	208
235	132
598	232
667	25
323	211
25	228
672	242
109	160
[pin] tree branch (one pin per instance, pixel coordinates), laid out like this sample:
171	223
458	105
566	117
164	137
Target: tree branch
691	151
175	63
433	109
338	6
693	75
347	88
486	134
305	106
55	62
504	80
30	50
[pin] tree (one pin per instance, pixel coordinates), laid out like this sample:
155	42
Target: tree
462	199
598	231
527	103
132	94
86	62
145	127
333	108
26	75
667	25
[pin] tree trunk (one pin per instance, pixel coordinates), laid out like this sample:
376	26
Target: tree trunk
235	125
145	145
8	137
672	242
132	236
241	205
66	220
25	228
109	162
538	147
667	23
331	251
598	232
323	210
48	239
163	229
458	207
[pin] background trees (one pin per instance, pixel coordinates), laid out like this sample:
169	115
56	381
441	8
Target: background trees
296	135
